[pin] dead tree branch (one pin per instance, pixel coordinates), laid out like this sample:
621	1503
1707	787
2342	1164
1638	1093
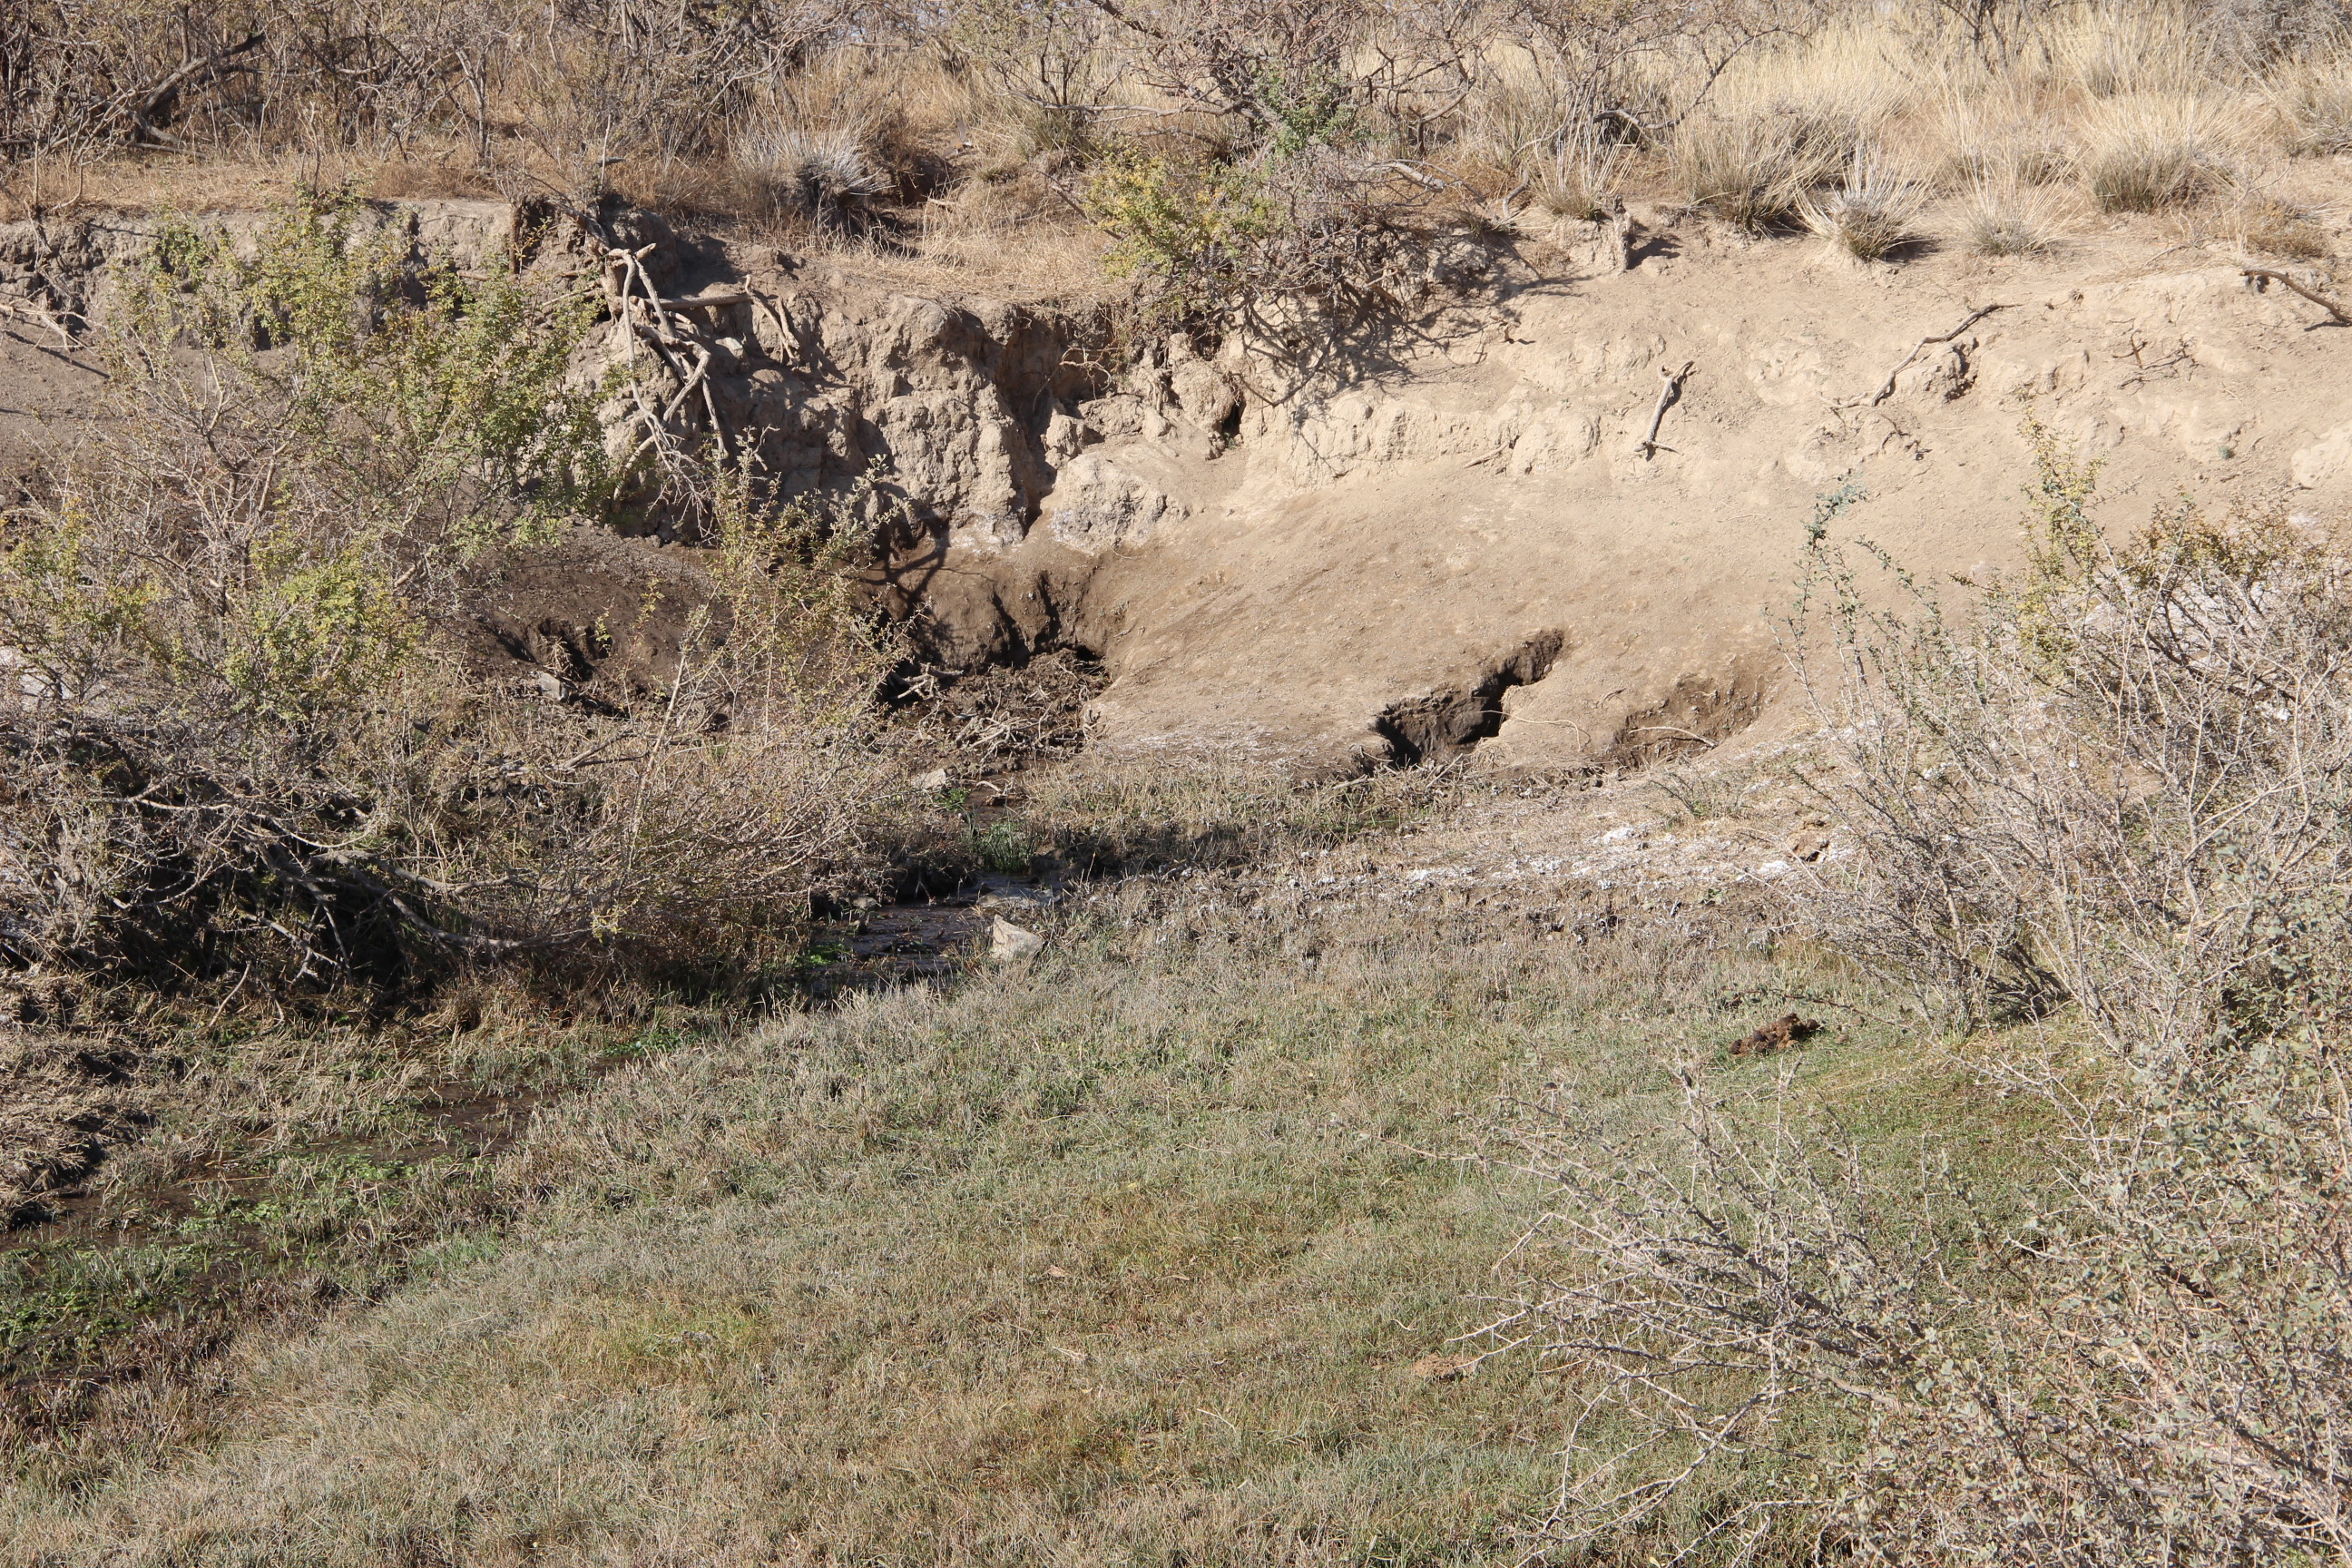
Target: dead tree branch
1672	389
2261	275
158	100
1886	388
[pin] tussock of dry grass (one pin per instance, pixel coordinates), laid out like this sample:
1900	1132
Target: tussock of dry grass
2311	99
1580	183
2146	153
1753	173
1872	215
2268	226
2009	219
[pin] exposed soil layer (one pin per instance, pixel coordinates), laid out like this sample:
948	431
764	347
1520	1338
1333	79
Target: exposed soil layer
592	610
1452	720
1345	552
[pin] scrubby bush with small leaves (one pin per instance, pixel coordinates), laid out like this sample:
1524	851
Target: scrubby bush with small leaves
2107	809
235	739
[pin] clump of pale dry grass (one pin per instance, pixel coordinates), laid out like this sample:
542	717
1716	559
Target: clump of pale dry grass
1872	215
2269	226
2311	102
1579	183
1994	132
2121	52
2144	153
2007	218
1752	172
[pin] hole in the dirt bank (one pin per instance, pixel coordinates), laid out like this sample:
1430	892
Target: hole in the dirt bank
1453	718
1004	715
1700	712
1229	428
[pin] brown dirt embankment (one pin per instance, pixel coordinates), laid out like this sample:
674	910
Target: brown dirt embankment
1362	550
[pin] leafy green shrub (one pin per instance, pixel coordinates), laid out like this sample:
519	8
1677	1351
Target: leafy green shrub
1189	234
1003	847
1211	243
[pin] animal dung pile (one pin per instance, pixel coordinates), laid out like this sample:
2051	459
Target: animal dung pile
1782	1034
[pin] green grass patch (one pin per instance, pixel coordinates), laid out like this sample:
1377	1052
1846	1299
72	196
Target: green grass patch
1139	1256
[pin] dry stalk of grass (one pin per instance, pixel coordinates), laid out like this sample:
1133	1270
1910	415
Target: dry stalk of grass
1994	131
2123	52
1708	794
1580	183
2311	100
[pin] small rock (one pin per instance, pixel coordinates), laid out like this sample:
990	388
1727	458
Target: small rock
1008	943
933	782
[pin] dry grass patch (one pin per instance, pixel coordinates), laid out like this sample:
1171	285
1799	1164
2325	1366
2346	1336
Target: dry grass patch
1580	183
1129	1257
2311	101
2272	228
1872	216
1751	171
2009	218
2147	152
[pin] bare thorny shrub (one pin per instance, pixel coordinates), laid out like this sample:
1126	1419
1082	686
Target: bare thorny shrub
588	80
2122	783
235	743
2115	795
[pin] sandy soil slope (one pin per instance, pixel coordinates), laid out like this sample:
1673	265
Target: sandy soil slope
1402	545
1419	539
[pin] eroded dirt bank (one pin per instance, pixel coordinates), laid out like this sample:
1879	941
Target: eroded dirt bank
1447	534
